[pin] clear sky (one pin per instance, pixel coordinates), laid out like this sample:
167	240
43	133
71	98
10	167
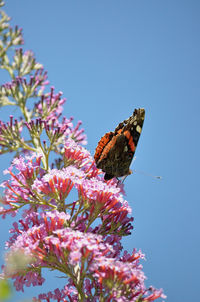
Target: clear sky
109	57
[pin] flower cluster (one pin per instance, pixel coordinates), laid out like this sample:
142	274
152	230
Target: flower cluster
18	191
51	244
65	240
49	106
72	219
31	185
28	80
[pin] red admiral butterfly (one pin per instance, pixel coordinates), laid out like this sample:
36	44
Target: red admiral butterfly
115	150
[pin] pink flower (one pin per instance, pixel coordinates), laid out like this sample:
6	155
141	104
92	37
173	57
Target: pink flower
68	293
106	202
50	106
18	188
51	244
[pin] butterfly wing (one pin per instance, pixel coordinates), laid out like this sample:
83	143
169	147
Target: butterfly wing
115	150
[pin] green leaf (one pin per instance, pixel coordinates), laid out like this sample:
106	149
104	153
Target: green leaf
5	290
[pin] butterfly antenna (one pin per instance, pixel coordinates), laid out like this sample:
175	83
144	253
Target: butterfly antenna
144	173
148	174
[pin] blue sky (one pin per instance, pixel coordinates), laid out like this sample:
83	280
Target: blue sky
109	57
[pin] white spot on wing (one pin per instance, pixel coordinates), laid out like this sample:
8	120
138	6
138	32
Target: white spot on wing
138	129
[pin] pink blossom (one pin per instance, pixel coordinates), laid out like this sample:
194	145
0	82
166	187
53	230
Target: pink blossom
50	108
18	188
46	238
105	201
50	105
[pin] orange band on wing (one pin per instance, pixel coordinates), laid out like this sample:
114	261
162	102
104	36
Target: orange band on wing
108	147
130	140
101	145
